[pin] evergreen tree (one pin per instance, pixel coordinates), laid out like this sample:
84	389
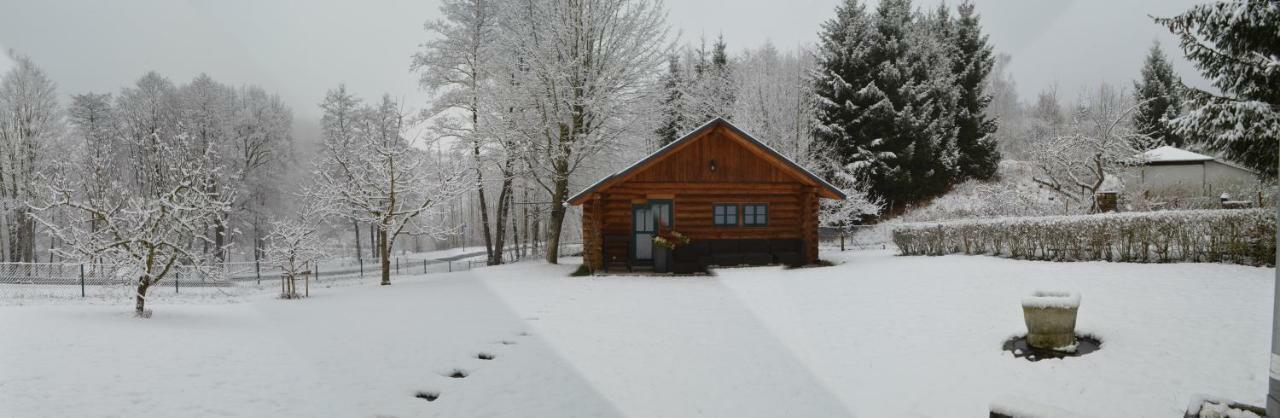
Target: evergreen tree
925	127
1157	97
887	100
841	75
710	92
1236	46
672	106
971	65
721	80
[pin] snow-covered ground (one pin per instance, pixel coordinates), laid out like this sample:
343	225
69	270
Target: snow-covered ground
875	336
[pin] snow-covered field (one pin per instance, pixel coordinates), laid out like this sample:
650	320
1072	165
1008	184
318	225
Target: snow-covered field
875	336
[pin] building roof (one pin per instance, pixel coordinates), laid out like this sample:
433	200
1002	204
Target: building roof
830	191
1169	154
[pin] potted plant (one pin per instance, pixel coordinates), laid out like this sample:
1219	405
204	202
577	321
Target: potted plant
1051	320
666	243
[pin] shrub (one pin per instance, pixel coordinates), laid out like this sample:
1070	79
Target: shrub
1245	236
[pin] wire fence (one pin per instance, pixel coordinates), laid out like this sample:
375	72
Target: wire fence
857	236
30	282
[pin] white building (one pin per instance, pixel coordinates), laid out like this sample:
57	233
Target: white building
1174	173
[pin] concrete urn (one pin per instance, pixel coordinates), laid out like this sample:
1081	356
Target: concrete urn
1051	320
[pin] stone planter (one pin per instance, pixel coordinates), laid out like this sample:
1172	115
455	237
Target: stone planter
661	259
1051	320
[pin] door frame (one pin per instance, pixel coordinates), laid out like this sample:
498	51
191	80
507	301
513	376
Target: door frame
656	227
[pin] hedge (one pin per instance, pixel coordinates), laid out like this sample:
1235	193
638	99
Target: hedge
1242	236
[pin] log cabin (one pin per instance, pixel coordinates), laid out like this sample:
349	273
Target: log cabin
734	199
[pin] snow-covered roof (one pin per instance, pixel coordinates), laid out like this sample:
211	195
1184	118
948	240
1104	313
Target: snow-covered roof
1170	154
1174	155
696	133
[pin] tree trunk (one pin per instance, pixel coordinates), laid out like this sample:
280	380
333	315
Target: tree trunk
374	250
484	209
219	239
29	230
356	224
524	241
140	298
557	219
384	252
504	206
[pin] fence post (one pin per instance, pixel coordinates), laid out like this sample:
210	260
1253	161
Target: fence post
316	263
450	266
82	280
177	277
257	270
361	260
397	265
424	266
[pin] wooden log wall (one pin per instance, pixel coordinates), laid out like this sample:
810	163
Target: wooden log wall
741	175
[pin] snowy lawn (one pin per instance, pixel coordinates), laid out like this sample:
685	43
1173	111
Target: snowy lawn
876	336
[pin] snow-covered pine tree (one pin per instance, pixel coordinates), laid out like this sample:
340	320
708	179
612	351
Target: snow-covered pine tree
841	81
672	106
971	65
1158	98
926	125
887	101
1236	46
709	90
719	80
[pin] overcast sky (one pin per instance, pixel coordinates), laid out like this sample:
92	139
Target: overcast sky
301	48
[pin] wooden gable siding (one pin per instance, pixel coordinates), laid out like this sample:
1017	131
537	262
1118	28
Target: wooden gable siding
685	178
735	163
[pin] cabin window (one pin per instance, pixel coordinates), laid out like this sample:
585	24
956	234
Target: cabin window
725	215
755	215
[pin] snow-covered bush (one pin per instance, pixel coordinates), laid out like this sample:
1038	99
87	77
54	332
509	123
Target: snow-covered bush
1013	192
293	246
1234	236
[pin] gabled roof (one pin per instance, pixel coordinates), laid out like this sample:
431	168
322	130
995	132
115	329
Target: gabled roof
1173	155
827	190
1169	154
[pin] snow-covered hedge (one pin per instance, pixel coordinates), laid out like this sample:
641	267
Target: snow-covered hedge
1245	236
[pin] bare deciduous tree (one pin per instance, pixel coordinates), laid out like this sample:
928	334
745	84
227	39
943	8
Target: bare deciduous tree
146	235
379	177
1093	147
582	71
